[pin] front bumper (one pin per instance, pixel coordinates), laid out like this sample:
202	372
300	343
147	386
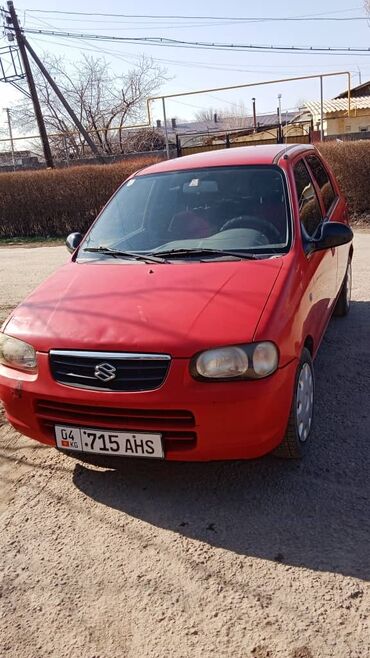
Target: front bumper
199	421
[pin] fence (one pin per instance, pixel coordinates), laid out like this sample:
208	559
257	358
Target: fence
22	153
183	144
198	142
36	164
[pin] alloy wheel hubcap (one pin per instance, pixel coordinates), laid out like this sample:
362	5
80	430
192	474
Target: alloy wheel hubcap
304	407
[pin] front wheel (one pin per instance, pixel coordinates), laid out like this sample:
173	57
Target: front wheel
301	413
343	302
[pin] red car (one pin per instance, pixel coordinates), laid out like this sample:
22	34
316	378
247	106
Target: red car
186	323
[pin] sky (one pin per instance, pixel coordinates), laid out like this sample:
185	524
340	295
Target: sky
190	70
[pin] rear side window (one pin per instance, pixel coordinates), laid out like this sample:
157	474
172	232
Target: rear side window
322	178
309	207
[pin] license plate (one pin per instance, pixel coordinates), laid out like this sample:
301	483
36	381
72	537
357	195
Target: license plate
108	442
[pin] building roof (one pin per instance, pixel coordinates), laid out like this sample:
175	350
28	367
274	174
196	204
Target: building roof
361	90
241	155
18	154
227	124
339	105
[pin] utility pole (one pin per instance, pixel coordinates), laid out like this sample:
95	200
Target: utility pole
280	129
322	109
65	103
31	85
6	109
165	129
254	115
279	108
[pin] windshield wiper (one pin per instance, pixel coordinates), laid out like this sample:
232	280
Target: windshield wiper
199	251
116	253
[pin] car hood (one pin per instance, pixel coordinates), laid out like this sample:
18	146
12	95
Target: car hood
178	308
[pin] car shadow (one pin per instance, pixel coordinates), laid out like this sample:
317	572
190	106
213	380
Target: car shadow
312	514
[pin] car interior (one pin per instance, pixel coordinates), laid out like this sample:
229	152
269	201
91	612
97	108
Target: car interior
219	208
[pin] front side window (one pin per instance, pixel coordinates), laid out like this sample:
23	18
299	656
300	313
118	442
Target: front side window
322	179
309	207
241	209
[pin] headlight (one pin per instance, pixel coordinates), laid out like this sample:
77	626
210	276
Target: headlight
253	361
221	363
17	354
265	359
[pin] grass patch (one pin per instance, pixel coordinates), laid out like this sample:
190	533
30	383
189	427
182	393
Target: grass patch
32	241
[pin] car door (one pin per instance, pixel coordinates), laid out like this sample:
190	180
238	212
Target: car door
320	267
334	207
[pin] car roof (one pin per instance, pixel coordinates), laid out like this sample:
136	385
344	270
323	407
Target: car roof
241	155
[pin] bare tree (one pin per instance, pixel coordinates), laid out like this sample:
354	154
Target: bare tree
367	6
231	119
301	102
238	117
144	139
208	114
104	102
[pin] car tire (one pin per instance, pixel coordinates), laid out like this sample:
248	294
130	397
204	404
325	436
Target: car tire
299	425
343	302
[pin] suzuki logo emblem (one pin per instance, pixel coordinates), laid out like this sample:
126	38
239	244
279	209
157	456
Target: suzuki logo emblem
105	372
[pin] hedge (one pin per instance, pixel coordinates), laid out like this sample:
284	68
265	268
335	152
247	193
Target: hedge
53	203
350	162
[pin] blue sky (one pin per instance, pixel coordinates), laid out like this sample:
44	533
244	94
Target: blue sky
197	69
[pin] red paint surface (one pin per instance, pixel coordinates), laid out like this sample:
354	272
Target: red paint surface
179	310
176	309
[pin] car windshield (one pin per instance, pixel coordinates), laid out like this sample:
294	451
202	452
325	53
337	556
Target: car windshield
192	213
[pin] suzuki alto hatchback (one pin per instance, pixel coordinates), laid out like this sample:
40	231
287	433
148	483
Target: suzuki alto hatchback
185	325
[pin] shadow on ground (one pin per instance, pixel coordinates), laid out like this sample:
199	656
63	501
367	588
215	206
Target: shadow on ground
312	514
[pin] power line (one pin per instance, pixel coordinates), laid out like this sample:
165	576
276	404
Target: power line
125	26
257	68
237	68
232	68
204	45
309	17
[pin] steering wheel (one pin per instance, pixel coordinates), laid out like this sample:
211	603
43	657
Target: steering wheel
261	225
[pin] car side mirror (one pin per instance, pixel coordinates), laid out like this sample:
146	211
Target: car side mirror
73	241
333	234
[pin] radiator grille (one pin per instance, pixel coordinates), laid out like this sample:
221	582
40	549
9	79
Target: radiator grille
109	371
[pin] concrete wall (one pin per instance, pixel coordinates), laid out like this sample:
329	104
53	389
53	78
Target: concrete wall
351	124
339	125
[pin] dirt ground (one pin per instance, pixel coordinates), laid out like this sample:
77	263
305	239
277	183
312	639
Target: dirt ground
262	559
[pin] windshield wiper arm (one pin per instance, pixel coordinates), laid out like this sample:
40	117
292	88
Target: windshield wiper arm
206	250
117	253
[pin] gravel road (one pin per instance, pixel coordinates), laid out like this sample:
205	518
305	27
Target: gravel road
263	559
